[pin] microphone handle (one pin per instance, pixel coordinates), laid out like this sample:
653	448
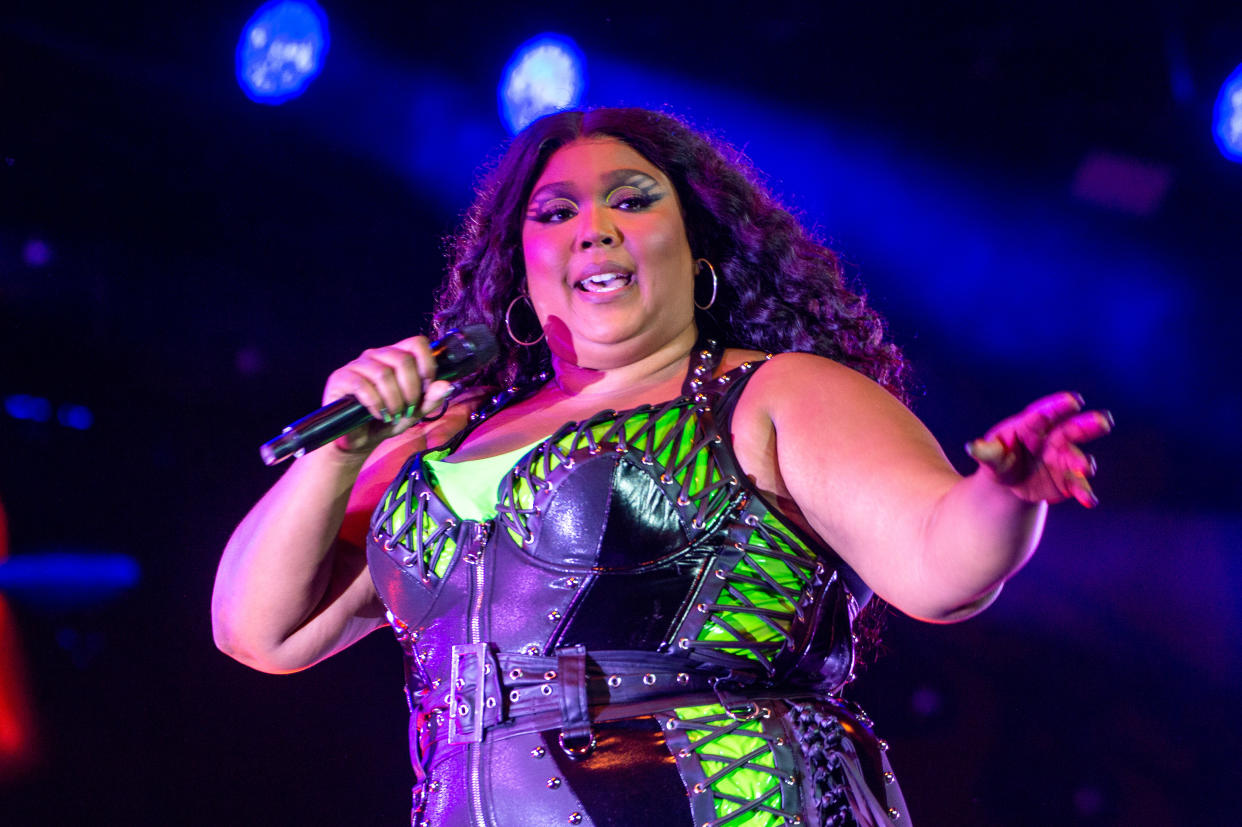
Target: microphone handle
456	353
315	429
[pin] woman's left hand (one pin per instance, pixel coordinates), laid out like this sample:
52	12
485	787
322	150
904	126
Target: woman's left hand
1036	453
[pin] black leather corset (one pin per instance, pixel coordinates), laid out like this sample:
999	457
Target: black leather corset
630	531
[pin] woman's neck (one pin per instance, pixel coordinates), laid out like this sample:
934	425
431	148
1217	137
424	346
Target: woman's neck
659	367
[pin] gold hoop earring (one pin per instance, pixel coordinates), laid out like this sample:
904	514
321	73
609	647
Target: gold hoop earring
509	327
712	270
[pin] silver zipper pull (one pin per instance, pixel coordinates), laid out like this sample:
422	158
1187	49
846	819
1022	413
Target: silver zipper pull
481	532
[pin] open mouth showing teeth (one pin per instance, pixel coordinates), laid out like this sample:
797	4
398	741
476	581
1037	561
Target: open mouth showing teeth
603	283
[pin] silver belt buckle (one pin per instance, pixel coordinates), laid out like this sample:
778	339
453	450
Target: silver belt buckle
459	706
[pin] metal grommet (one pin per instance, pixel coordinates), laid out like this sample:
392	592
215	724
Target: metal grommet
463	710
649	679
753	712
546	689
682	677
550	675
614	680
702	607
514	674
514	695
684	643
490	703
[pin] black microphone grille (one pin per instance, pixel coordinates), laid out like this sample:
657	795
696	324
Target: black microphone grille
465	351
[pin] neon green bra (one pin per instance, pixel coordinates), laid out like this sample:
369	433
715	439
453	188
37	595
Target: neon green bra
469	488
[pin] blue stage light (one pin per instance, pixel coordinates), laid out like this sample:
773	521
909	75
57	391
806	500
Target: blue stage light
25	406
545	74
1227	117
68	578
281	50
75	416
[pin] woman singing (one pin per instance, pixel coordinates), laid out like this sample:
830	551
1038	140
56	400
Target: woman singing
626	562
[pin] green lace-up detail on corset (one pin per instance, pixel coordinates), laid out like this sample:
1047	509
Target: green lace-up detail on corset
405	519
756	609
740	767
670	438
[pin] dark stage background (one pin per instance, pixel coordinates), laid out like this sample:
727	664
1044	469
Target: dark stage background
1031	195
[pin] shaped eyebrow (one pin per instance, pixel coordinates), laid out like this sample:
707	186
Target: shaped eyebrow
610	180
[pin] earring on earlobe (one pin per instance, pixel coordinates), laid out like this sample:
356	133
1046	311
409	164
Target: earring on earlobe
509	326
701	262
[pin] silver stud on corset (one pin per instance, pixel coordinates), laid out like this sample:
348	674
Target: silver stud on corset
554	616
553	783
575	818
893	813
538	752
531	649
888	778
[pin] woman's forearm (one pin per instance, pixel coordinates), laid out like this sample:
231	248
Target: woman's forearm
977	536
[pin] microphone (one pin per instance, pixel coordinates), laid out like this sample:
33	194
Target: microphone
457	353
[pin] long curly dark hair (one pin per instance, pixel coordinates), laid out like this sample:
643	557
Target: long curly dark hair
779	289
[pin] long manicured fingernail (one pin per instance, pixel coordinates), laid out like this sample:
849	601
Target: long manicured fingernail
1108	417
1079	398
386	416
985	450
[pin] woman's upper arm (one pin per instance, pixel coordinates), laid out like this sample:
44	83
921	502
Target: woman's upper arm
350	608
865	473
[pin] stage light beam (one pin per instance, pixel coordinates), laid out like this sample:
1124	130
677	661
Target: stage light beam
546	74
1227	117
281	50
